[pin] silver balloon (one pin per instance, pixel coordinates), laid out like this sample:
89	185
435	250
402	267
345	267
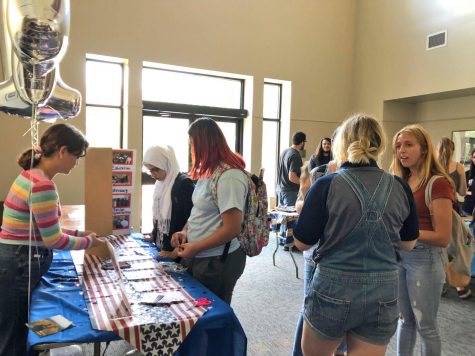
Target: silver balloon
10	101
32	88
39	32
64	103
40	29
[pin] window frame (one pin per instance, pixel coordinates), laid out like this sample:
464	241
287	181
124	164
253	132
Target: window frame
241	82
194	112
278	121
122	97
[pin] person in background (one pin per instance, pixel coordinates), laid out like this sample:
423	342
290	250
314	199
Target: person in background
288	175
469	201
33	191
422	270
360	217
172	202
209	240
322	155
456	171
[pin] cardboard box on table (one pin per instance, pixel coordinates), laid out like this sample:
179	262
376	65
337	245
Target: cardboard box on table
99	213
109	183
98	191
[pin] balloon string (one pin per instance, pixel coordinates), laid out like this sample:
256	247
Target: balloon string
34	124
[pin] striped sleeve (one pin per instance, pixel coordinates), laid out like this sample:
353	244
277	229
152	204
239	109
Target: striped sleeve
44	205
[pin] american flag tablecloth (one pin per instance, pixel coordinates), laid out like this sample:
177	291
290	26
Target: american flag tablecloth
151	329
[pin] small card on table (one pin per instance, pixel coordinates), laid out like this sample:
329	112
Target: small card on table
50	325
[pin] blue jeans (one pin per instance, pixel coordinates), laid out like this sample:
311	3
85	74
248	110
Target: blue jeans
287	198
421	278
308	267
363	304
14	293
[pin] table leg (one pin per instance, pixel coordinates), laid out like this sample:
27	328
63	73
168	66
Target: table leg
276	247
97	349
291	247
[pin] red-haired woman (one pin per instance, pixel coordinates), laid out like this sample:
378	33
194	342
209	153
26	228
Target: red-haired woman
214	224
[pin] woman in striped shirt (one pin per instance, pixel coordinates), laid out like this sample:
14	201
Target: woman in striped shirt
34	191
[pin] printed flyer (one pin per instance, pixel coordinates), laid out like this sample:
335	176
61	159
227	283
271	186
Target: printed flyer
123	167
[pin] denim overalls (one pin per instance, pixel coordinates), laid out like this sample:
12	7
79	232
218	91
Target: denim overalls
355	285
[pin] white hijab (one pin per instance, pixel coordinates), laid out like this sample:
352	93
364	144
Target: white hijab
163	158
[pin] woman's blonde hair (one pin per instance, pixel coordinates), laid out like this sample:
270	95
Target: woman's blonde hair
445	150
428	165
305	171
359	139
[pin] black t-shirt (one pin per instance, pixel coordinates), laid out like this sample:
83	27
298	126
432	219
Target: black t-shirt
469	199
182	204
314	161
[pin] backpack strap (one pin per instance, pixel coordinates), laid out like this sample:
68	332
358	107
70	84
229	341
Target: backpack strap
373	206
218	171
428	191
378	200
223	167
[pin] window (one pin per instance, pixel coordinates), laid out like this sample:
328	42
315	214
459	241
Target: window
155	134
104	102
173	99
191	88
271	133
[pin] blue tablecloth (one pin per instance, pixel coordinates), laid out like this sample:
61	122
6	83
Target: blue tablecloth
217	332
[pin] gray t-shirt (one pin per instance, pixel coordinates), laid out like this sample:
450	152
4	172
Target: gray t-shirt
289	161
205	216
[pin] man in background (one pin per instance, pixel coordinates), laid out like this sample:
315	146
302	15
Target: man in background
288	175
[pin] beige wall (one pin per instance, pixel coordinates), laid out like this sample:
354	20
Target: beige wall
399	81
307	42
340	56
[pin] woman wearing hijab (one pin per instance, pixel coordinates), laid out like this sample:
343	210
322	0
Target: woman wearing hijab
171	198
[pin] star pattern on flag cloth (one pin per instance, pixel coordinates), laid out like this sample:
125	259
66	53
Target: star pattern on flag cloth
167	336
153	314
152	329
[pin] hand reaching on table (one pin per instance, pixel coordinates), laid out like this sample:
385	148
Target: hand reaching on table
96	241
179	238
187	250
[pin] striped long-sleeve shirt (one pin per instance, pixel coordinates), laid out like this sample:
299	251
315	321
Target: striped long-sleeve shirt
32	188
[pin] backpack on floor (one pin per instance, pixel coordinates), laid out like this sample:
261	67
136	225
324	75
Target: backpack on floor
255	227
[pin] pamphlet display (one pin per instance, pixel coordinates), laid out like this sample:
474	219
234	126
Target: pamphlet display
123	166
109	194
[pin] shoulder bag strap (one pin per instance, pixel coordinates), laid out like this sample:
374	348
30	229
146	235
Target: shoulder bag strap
428	191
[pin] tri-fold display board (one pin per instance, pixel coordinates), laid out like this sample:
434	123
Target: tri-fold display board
110	176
